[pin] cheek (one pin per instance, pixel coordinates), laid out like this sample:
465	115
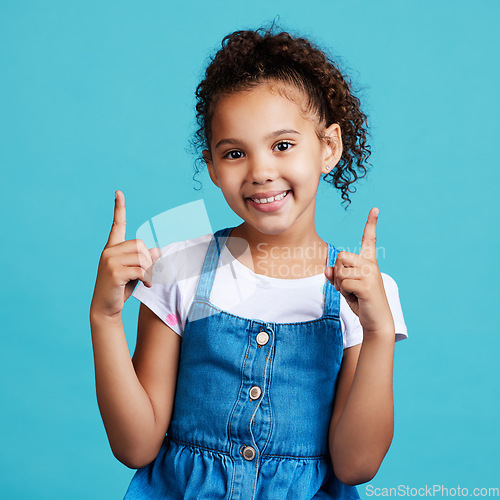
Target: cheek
230	187
301	169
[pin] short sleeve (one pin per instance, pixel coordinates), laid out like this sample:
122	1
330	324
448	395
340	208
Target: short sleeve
163	298
351	327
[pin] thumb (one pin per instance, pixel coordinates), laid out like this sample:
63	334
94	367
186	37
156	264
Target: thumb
329	274
155	254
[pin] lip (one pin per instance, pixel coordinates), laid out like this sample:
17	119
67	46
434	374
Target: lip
273	206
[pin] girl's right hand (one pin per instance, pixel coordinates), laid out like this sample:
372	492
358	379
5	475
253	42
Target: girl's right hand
122	265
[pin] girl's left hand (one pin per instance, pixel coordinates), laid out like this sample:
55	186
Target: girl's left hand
358	279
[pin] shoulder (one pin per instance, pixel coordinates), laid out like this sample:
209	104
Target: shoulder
179	246
389	281
175	276
391	289
181	259
392	294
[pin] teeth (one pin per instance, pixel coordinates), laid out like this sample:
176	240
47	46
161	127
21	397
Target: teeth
273	198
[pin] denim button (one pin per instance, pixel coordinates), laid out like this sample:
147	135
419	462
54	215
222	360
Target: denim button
255	392
248	452
262	337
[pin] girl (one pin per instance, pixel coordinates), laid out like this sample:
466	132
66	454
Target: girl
282	388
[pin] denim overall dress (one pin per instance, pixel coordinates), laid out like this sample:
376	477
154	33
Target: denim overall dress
252	407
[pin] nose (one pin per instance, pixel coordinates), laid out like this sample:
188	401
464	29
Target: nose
261	169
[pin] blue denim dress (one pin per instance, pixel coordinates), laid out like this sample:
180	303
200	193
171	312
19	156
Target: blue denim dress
252	407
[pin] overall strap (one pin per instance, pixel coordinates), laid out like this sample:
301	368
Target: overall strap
207	275
332	296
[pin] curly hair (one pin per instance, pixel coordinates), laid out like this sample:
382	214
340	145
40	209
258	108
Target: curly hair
251	57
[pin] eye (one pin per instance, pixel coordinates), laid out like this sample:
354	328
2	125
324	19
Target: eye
233	155
284	145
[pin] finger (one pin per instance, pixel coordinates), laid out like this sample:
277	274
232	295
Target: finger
343	259
346	273
134	247
348	259
369	241
349	272
153	255
133	273
332	273
138	261
148	258
117	233
329	274
132	260
131	246
349	286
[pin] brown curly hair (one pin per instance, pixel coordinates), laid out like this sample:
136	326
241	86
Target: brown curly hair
250	57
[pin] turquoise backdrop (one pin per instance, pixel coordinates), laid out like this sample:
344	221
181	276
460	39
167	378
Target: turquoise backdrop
99	95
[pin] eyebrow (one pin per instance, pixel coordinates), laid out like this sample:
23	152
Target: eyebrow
270	136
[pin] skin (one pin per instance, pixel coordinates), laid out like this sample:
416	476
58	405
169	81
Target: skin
258	161
136	395
252	159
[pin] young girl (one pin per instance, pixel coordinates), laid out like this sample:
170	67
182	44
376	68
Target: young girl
282	388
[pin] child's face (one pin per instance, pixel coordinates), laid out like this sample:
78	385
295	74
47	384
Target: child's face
263	143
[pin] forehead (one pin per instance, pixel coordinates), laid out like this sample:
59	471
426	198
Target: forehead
267	107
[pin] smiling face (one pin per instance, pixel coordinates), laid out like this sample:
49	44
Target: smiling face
263	144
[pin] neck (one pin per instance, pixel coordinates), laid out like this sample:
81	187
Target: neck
292	245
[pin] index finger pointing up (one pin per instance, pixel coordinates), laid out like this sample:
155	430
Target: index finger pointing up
117	233
369	241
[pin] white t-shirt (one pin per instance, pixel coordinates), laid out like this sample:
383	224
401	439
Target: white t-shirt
240	291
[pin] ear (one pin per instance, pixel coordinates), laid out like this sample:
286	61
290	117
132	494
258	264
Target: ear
332	147
210	166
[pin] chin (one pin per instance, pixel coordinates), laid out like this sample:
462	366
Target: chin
270	227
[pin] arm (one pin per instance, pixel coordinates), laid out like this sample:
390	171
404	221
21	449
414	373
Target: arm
362	423
135	396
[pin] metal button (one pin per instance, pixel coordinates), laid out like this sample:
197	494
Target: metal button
255	392
262	337
248	452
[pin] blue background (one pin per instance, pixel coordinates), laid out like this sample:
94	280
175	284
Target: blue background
99	96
